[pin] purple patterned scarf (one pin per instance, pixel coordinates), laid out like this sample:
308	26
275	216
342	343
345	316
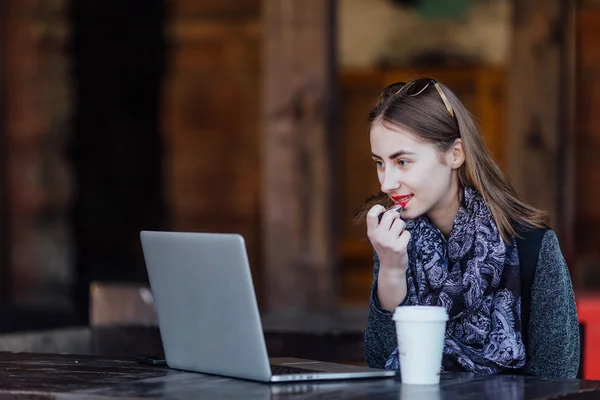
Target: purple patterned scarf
475	276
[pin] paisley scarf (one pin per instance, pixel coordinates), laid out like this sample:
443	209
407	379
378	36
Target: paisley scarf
475	276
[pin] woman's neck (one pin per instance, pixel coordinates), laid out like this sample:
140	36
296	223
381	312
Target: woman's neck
444	214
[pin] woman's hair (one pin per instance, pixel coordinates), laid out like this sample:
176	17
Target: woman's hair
427	117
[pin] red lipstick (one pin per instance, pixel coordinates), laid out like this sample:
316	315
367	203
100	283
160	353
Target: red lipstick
402	200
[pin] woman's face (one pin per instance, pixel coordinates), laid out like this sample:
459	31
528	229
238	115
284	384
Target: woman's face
414	173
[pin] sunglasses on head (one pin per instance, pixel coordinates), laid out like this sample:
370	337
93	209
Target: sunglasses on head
415	88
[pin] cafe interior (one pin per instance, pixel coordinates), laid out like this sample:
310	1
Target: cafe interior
251	117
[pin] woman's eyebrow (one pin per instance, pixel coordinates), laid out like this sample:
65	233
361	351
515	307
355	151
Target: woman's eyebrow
396	154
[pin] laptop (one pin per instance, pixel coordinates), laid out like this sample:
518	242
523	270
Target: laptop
208	316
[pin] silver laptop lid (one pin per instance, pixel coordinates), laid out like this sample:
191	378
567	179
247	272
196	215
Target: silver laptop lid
205	303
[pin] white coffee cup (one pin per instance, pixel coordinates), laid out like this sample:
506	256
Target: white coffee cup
420	332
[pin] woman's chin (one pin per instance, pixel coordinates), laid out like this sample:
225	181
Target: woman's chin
406	214
409	213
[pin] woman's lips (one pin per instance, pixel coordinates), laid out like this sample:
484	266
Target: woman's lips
402	200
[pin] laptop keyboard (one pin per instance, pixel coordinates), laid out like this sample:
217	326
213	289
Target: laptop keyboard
285	370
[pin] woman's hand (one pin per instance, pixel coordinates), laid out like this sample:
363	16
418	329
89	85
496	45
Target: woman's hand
389	238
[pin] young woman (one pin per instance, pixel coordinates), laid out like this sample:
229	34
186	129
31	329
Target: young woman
455	243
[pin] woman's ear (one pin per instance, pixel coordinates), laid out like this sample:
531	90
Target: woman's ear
458	154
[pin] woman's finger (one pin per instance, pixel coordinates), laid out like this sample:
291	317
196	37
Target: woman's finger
373	217
397	227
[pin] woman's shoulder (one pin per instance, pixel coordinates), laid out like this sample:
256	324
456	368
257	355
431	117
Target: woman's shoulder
550	257
550	241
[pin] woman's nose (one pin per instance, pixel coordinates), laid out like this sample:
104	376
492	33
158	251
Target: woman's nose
390	182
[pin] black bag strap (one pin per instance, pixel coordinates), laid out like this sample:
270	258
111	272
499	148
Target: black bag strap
528	246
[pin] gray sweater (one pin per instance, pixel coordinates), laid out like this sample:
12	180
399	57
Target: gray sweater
553	342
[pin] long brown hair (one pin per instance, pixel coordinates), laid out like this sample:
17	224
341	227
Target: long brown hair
426	116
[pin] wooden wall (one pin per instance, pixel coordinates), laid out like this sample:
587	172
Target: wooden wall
299	224
37	181
4	245
587	143
211	117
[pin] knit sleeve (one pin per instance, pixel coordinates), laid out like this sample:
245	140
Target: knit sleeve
553	349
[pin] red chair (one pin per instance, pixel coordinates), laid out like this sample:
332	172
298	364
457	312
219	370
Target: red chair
588	309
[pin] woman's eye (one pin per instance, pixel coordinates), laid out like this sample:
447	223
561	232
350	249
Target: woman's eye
403	163
378	163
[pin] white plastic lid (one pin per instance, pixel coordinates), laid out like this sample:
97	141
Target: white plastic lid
420	314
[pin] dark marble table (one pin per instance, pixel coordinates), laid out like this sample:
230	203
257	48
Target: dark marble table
33	376
126	341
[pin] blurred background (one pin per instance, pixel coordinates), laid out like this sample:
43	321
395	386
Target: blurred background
250	116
